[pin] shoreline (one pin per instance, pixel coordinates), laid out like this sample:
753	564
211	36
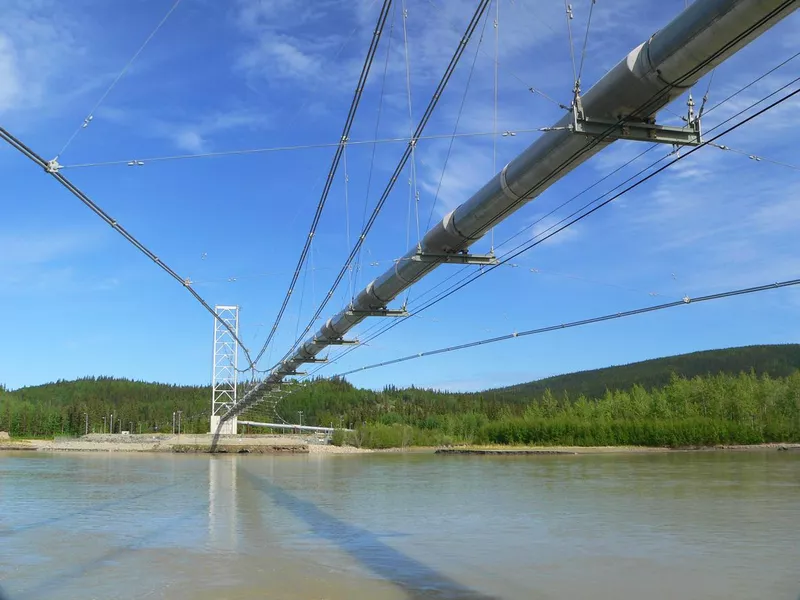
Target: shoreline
287	444
578	450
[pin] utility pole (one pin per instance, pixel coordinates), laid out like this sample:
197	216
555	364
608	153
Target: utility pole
111	428
173	423
300	414
104	423
87	423
179	421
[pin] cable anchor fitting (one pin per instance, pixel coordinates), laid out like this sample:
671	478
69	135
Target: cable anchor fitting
53	166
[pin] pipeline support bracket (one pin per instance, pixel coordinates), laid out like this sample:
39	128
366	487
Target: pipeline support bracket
380	312
456	259
640	132
637	131
335	342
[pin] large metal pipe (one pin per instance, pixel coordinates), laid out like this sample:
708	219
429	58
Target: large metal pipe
646	80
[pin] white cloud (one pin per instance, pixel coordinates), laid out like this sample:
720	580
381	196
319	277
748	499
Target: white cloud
35	46
188	133
33	248
468	168
189	140
38	262
288	42
11	89
547	225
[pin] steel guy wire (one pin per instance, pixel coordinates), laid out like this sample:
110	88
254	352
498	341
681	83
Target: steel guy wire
756	157
561	326
531	89
434	101
119	76
494	111
585	42
140	162
375	136
413	181
570	16
362	80
455	127
347	213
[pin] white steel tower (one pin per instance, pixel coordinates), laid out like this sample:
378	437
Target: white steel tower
224	375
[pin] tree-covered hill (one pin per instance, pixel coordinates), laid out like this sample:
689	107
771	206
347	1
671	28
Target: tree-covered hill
778	360
737	394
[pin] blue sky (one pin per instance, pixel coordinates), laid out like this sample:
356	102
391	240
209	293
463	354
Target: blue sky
222	76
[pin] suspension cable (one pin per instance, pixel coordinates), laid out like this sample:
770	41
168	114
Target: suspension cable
374	146
434	101
362	80
51	169
648	105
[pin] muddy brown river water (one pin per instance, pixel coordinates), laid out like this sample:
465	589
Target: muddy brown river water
391	526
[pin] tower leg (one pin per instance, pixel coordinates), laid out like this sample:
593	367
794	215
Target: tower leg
229	427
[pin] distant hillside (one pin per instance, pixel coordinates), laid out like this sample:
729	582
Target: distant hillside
65	406
775	360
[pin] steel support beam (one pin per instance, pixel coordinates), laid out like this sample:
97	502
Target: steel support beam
377	312
456	259
606	129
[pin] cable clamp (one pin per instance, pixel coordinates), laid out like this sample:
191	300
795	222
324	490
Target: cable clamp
53	166
686	300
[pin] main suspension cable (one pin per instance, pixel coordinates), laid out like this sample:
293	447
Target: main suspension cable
362	80
434	101
52	170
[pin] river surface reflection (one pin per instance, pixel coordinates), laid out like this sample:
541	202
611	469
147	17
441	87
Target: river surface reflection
391	526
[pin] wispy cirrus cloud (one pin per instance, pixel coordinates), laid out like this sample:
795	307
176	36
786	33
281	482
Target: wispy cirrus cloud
37	262
35	46
189	133
288	42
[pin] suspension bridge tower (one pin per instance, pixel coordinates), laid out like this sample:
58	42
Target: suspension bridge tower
225	368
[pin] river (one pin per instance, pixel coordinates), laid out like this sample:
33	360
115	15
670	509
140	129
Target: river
390	526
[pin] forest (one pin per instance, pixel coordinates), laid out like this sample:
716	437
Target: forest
705	398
